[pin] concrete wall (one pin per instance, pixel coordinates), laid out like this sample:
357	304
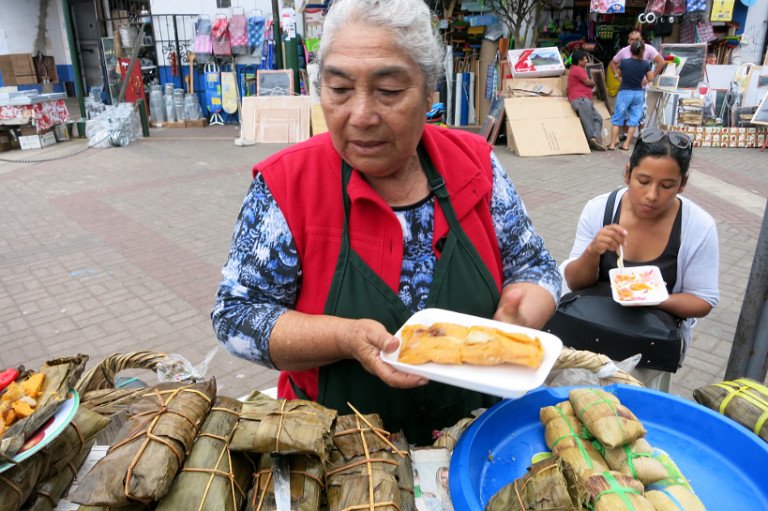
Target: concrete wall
753	36
19	24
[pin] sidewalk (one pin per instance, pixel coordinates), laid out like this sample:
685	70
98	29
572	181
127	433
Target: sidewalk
118	250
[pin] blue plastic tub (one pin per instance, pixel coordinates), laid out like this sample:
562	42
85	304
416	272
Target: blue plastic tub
726	464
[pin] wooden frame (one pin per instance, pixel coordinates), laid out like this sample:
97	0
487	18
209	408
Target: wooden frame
493	121
761	116
598	75
274	82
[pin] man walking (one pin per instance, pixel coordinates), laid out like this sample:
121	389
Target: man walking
580	95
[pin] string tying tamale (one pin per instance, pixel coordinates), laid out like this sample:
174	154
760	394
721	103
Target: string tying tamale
743	400
548	485
151	447
673	475
612	491
612	423
674	498
350	431
269	425
49	491
213	478
369	481
18	482
85	425
448	343
449	437
307	483
567	437
636	460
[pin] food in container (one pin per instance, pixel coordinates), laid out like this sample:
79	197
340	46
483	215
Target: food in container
638	286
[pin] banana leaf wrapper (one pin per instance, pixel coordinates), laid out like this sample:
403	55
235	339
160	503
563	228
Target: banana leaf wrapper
449	437
353	435
675	498
61	374
612	423
151	447
636	460
548	485
18	482
307	484
75	438
213	478
50	490
269	425
584	463
612	491
404	473
743	400
367	481
673	477
129	507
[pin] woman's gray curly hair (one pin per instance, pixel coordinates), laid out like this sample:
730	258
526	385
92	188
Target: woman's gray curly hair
409	20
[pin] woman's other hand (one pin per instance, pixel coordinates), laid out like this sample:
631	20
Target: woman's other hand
363	342
525	304
609	238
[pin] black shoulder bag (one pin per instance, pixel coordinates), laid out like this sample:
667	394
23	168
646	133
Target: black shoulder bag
589	319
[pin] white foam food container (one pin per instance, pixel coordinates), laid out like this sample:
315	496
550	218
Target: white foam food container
506	380
638	286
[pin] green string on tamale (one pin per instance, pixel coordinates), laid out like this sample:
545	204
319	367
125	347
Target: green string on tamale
601	399
739	388
631	455
577	438
616	489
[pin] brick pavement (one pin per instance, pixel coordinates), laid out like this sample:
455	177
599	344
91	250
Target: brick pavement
116	250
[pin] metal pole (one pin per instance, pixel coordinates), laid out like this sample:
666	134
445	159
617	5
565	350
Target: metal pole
180	67
277	34
73	55
749	353
136	48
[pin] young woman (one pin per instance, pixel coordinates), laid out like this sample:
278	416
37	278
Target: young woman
654	225
631	98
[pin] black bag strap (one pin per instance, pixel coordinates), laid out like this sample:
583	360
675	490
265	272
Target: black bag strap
608	215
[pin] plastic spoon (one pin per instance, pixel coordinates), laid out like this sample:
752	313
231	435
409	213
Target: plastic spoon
620	261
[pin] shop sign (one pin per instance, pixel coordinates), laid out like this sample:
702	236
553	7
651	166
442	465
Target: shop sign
722	10
607	6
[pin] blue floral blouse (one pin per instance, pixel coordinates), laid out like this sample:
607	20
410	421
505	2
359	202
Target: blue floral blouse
262	277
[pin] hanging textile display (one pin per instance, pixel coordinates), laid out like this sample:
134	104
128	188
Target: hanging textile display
238	31
607	6
228	89
222	46
256	25
696	6
203	43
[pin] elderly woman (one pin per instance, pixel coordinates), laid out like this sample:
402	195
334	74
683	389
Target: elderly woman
343	237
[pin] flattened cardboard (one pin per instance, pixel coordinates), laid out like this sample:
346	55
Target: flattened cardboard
544	127
602	109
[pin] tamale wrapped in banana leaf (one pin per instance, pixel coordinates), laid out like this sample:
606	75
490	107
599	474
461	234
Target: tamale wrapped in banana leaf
548	485
151	447
636	460
404	472
75	437
673	475
612	491
61	374
567	437
129	507
306	484
350	433
743	400
269	425
213	477
49	490
605	417
674	498
18	483
449	437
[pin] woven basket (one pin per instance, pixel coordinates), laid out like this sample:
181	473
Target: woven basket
578	359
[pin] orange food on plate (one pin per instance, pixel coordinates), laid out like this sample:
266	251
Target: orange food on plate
448	343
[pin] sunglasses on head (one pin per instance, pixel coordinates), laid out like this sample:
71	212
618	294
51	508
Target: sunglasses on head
679	140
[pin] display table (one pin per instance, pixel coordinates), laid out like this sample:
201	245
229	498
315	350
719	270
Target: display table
44	114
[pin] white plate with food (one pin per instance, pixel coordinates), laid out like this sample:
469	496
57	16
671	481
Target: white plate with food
48	431
461	338
637	286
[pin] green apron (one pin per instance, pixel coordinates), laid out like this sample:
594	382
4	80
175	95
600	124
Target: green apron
461	282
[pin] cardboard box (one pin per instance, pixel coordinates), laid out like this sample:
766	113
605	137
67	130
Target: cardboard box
18	69
535	87
602	109
37	141
535	62
543	127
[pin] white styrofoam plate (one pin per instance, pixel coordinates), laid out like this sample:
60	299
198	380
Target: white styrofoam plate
508	380
655	296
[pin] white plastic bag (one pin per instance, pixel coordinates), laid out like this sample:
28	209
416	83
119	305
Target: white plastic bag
176	368
571	377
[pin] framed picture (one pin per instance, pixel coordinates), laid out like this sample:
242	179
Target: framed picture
493	121
595	66
598	75
277	82
666	82
761	116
